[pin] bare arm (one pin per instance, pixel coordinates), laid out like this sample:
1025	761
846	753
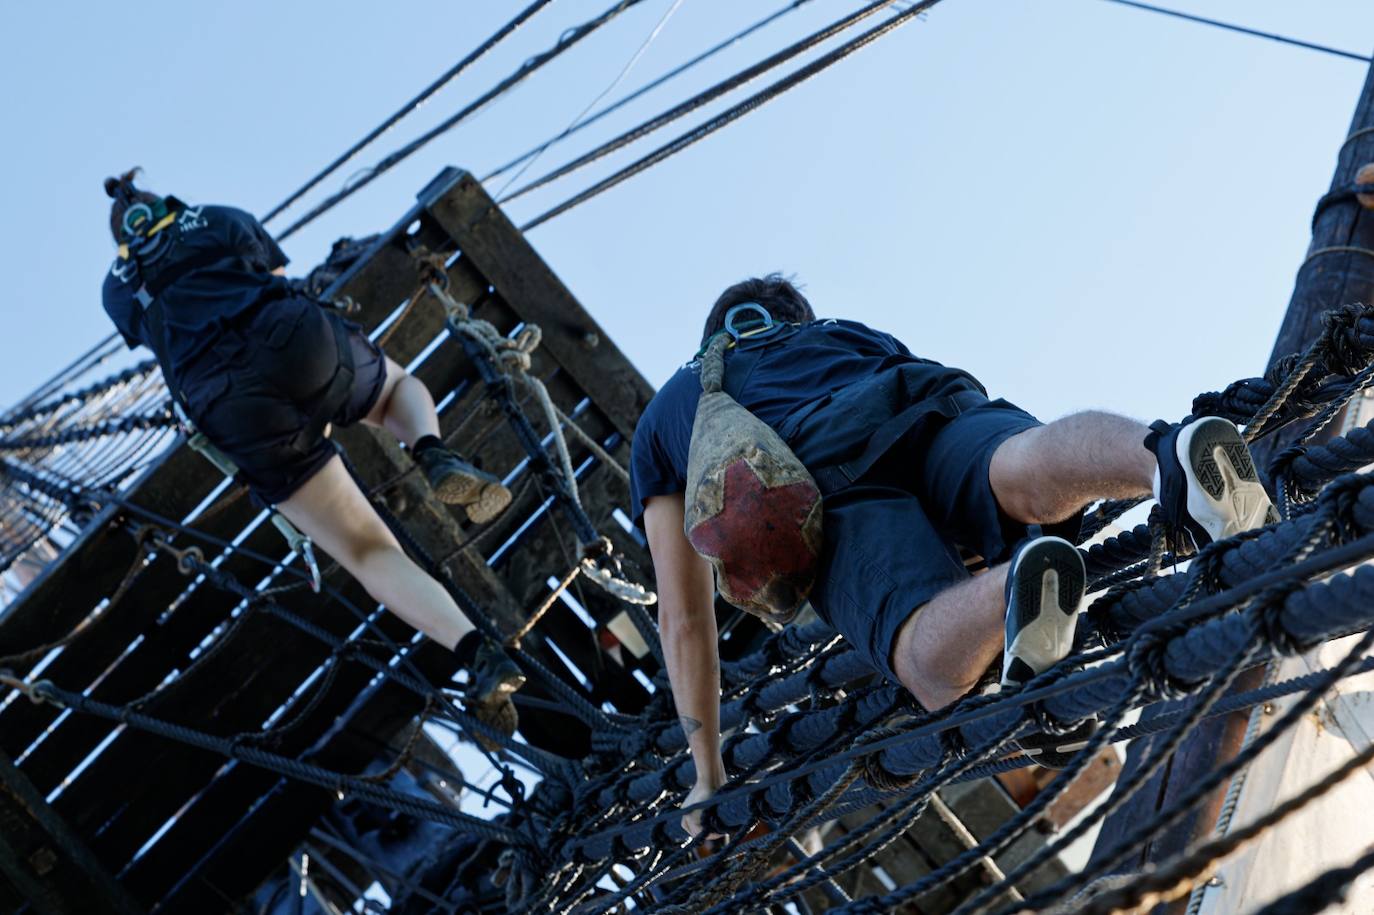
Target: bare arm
687	621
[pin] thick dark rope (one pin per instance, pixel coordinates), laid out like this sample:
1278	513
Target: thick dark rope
1204	786
1179	875
566	41
646	88
444	79
142	369
103	429
281	765
734	113
701	99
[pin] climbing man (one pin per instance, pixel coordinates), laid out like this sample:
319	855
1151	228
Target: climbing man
926	464
263	372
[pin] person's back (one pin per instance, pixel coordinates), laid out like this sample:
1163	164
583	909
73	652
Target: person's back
264	372
916	466
822	385
215	263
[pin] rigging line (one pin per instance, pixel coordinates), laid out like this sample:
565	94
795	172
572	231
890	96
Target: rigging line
414	104
754	101
1329	560
620	78
649	87
565	41
63	376
1232	27
705	97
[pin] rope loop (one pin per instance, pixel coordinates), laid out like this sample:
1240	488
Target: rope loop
1146	662
875	774
1267	609
1042	722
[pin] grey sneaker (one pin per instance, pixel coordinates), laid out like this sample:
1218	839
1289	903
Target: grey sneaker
1207	480
1044	588
457	482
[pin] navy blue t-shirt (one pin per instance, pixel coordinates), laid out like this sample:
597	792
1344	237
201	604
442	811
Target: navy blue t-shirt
198	305
824	387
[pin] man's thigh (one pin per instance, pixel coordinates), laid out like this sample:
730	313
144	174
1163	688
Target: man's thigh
953	485
882	559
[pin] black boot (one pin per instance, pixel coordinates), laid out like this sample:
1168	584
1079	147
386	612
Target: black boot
493	677
456	482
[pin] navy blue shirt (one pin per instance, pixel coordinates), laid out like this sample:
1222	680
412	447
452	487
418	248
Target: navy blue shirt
823	386
197	306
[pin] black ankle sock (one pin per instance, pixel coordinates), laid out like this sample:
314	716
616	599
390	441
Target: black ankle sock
466	649
426	442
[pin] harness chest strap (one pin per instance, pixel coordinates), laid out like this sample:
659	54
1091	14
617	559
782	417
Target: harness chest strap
832	478
837	476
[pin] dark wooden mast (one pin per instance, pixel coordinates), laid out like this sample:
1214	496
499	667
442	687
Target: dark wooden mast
1338	270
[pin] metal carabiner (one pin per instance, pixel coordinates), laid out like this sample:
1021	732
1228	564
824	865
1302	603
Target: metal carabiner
769	325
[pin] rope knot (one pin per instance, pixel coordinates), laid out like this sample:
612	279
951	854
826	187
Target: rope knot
1147	662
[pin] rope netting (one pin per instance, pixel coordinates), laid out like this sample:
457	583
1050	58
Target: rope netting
814	737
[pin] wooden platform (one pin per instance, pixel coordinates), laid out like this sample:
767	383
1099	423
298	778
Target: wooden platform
114	790
94	817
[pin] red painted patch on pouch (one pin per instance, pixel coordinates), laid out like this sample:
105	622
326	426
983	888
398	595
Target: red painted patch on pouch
758	532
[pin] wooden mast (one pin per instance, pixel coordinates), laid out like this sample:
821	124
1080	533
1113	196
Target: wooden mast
1334	273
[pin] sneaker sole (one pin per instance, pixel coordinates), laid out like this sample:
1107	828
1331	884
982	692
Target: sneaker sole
493	499
1225	495
1049	577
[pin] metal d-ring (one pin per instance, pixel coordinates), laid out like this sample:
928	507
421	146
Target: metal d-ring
769	326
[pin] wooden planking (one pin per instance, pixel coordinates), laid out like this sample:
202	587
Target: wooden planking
173	485
124	822
983	806
164	648
231	794
501	253
91	656
41	855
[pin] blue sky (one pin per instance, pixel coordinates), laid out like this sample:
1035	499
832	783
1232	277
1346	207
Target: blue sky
1085	205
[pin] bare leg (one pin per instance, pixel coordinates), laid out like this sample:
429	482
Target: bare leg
1045	474
946	644
405	407
1040	476
333	512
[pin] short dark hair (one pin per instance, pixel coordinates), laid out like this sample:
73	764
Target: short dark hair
775	292
120	188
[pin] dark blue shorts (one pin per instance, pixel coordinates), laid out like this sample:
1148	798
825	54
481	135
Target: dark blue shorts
257	387
892	538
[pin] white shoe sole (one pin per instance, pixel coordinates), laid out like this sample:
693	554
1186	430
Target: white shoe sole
1225	495
1047	639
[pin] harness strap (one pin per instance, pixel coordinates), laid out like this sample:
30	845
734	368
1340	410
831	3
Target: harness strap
156	281
833	478
837	476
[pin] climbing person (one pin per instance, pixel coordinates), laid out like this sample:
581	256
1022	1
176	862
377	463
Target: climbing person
263	372
906	461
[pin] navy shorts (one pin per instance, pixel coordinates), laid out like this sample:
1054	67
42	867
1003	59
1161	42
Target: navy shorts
255	390
892	538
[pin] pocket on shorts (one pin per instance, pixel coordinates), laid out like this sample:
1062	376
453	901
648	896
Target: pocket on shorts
293	350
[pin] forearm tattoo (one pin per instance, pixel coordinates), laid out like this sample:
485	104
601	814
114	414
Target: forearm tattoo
689	725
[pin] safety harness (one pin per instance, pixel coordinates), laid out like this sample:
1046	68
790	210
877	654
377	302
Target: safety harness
156	275
147	253
752	508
